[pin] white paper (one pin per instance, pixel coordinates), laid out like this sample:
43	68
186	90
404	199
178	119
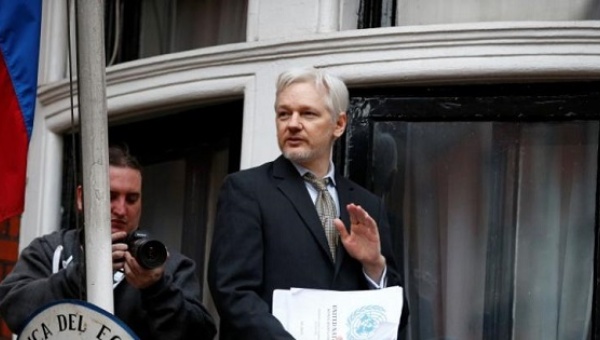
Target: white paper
315	314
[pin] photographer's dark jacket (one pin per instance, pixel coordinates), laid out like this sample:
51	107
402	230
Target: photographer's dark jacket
51	269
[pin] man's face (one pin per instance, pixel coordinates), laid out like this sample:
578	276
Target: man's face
305	129
125	198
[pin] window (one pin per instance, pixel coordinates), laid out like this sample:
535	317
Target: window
145	28
492	191
377	13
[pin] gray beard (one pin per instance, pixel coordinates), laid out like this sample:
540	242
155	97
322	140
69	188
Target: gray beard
298	157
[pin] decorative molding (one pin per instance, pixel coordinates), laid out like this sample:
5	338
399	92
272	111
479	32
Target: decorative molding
456	53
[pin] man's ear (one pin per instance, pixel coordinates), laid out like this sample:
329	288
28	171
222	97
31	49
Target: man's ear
340	124
79	198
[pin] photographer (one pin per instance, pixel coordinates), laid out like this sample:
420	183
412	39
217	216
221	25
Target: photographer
162	302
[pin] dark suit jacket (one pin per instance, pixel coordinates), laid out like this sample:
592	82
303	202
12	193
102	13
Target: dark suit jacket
268	236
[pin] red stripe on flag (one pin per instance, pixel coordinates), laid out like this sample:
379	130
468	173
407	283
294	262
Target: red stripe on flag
13	149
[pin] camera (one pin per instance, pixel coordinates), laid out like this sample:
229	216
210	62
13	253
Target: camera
148	252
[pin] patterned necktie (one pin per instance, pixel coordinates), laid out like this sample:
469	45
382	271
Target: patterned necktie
326	210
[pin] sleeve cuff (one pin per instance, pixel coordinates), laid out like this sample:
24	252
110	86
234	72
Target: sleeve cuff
377	285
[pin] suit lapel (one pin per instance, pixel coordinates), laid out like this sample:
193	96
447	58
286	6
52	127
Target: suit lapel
292	185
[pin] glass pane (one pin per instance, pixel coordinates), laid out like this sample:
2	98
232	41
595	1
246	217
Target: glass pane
498	222
173	26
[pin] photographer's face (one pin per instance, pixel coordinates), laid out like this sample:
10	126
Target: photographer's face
125	198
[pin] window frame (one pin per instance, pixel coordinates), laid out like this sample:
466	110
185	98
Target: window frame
536	102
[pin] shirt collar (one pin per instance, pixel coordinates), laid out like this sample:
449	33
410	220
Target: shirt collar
302	170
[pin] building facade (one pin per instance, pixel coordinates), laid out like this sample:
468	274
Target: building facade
486	111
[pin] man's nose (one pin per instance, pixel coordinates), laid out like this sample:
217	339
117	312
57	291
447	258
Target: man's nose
117	206
294	121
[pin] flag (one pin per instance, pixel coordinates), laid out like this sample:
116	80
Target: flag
20	25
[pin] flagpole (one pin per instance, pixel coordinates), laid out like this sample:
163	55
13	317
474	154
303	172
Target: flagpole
94	147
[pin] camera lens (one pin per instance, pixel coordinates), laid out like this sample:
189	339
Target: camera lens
149	253
152	254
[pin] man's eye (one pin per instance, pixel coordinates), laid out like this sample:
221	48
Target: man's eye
132	199
283	115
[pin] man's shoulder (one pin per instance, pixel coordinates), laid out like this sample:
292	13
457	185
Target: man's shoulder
357	192
58	236
254	172
50	242
177	261
352	185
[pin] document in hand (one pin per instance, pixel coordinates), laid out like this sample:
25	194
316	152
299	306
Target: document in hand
315	314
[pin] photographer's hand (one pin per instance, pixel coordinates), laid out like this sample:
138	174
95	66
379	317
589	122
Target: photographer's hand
119	248
139	277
